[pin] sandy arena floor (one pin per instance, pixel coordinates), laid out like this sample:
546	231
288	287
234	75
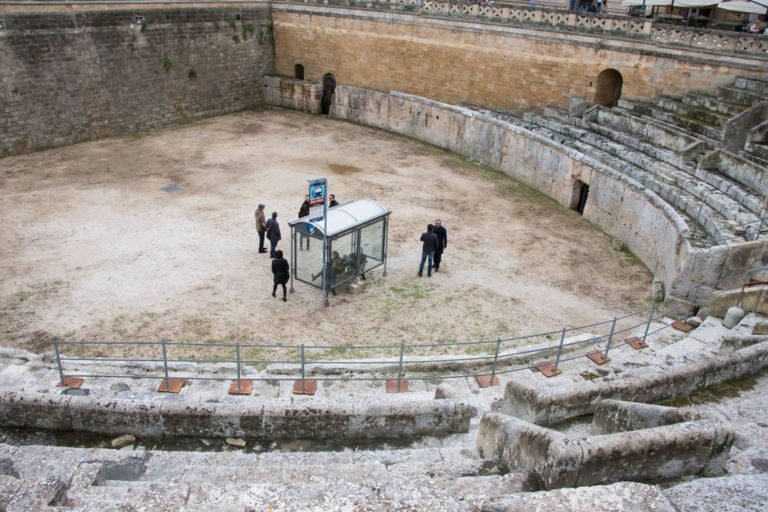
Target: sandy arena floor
93	248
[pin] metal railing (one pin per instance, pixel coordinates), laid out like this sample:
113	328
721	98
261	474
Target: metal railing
397	363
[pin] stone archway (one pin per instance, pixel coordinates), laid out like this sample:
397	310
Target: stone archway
298	71
329	87
608	91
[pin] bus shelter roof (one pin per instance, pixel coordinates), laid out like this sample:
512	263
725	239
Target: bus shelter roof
341	218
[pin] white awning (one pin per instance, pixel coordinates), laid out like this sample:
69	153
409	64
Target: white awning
743	6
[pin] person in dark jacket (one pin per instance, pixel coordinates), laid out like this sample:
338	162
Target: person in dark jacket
442	243
303	212
281	273
273	234
428	246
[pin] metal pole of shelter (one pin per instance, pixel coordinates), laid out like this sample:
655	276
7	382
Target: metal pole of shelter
325	246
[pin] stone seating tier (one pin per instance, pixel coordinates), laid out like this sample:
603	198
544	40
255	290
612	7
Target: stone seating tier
713	209
715	103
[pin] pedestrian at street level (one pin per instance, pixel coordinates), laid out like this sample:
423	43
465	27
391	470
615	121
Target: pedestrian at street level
281	273
261	227
333	201
273	234
428	246
442	242
303	212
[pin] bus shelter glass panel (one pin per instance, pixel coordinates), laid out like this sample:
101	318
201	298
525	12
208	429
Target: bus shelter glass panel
343	261
308	255
372	244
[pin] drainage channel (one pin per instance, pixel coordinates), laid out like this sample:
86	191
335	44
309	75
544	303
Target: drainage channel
28	437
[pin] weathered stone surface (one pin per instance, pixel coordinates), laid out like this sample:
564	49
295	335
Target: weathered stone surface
549	406
385	418
124	440
736	493
625	496
553	460
733	316
620	416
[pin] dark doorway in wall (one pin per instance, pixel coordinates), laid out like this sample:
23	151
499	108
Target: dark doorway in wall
579	196
329	87
608	91
298	71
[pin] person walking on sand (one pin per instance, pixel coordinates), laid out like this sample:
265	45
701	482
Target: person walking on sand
281	273
273	234
261	226
442	242
428	246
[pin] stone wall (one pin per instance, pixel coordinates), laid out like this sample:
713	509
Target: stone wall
86	74
481	63
554	460
260	419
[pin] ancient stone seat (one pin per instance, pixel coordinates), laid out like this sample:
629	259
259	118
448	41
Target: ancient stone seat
658	168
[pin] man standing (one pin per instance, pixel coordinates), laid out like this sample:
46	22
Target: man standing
333	202
428	246
442	242
261	226
273	233
303	212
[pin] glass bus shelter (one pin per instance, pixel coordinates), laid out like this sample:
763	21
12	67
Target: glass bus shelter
355	236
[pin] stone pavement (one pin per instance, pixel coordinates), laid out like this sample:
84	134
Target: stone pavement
440	473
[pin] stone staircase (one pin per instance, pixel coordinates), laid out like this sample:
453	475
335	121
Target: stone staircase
421	478
677	147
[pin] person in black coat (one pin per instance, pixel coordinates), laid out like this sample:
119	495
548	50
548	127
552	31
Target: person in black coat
442	242
429	244
281	273
273	234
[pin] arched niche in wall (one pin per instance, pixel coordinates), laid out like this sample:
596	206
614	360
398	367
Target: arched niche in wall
329	87
608	91
298	71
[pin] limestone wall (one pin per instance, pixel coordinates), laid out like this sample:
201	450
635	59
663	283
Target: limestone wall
491	64
85	74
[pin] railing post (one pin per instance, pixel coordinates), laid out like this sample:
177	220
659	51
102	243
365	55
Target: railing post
400	367
648	324
237	347
58	362
165	365
610	337
559	350
303	388
495	359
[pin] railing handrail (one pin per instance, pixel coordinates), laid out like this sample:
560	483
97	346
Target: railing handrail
497	361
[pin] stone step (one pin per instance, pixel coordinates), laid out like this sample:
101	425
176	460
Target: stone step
675	186
432	479
752	84
652	131
716	103
741	96
701	113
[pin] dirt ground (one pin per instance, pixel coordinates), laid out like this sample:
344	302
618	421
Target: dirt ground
153	237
